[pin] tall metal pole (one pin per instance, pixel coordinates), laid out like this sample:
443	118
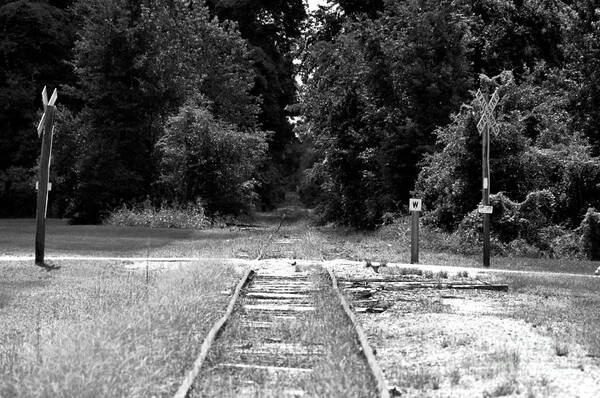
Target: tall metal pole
485	154
43	178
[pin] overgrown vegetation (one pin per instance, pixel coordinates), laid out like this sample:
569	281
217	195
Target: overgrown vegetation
175	216
101	330
124	69
188	102
392	84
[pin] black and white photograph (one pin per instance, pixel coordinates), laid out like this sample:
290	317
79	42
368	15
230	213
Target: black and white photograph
299	198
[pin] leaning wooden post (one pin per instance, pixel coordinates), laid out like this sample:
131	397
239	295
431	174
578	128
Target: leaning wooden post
45	130
414	206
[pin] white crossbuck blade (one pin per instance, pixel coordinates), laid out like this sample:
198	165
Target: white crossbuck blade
487	112
46	103
45	98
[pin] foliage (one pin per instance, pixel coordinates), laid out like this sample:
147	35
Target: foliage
136	65
17	192
516	35
35	45
191	215
584	48
590	234
270	29
371	97
527	229
535	149
203	158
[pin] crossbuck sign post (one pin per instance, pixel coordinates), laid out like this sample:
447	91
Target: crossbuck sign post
45	131
486	123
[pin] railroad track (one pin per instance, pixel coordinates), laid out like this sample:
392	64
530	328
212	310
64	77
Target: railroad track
264	345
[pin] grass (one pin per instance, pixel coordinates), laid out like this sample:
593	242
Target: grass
340	370
568	308
92	330
297	238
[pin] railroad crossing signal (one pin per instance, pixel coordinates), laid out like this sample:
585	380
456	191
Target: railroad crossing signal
45	131
487	112
486	123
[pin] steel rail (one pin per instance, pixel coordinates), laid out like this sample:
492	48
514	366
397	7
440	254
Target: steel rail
188	381
367	351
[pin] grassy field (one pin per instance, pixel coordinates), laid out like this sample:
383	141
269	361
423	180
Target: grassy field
297	238
567	308
100	330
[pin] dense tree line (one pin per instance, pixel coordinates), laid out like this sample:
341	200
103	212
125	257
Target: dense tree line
388	106
136	77
190	101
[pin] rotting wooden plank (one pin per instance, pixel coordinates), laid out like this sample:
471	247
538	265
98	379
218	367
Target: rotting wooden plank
282	348
407	284
268	295
362	338
185	386
282	291
369	280
276	278
290	308
286	302
264	367
495	287
288	284
258	324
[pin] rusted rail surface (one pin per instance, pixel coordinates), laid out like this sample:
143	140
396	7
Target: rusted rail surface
364	342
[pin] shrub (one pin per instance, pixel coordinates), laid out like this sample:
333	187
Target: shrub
205	157
566	245
535	150
590	234
520	229
521	248
191	215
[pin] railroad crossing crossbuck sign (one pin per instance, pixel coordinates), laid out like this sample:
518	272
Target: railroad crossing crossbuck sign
487	112
46	103
486	123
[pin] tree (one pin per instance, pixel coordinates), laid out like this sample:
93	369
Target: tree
584	57
515	35
208	160
536	149
136	66
270	28
35	45
373	96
